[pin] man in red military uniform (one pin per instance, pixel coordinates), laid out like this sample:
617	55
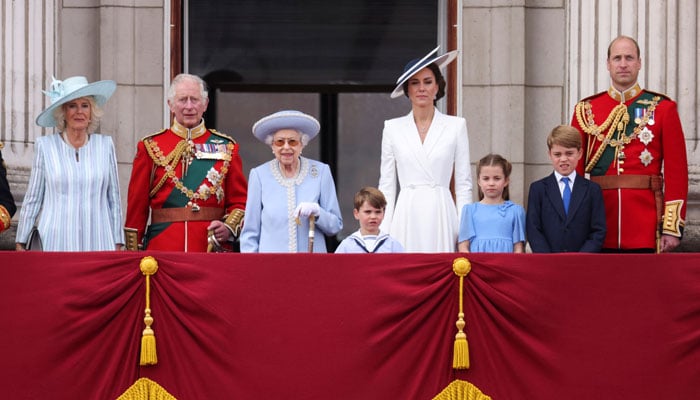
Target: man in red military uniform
7	202
629	136
188	179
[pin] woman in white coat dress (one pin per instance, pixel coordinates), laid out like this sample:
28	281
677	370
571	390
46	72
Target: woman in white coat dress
420	152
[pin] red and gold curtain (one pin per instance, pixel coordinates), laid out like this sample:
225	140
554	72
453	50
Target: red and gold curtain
320	326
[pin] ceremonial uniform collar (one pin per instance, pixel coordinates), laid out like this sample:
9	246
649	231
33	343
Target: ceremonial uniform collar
626	95
195	132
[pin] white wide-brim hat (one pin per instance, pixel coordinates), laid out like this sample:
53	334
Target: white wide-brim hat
287	119
75	87
415	65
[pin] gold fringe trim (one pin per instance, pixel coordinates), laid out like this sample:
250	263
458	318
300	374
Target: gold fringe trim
148	266
146	389
461	390
461	267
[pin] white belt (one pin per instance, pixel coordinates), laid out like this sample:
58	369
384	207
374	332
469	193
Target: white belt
417	185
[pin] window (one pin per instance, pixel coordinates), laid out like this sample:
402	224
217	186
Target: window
337	60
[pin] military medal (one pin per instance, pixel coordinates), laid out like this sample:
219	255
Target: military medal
210	151
638	114
651	119
646	157
621	155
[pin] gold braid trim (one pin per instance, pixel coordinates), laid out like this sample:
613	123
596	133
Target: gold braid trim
461	390
235	221
617	121
146	389
672	222
170	162
131	235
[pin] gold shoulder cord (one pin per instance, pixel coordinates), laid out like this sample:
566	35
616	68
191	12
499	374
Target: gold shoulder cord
617	121
169	162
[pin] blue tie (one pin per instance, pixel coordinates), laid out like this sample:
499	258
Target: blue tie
566	196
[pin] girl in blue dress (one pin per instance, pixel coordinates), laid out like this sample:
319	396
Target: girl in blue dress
494	224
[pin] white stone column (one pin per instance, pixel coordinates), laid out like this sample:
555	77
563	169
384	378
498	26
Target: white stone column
493	79
26	63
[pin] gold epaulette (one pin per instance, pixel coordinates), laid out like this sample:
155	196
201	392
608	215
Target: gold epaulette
153	134
662	95
223	135
589	98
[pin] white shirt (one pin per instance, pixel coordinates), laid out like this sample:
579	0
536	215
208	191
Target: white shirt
572	178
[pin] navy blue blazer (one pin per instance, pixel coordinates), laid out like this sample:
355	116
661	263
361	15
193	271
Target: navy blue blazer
550	230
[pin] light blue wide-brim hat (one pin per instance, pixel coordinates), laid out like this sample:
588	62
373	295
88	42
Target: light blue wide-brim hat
415	65
69	89
287	119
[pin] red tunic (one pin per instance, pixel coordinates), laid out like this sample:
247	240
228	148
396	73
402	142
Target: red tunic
654	141
222	185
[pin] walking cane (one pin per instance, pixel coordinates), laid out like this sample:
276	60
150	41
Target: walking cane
312	229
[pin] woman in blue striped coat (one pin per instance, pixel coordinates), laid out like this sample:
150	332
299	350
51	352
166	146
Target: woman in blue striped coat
74	183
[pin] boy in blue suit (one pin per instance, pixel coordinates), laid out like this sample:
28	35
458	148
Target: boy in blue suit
565	211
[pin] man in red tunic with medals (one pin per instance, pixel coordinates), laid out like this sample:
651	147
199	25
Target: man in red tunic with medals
634	149
188	179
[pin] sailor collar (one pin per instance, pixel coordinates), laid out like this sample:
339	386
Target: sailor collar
626	95
181	131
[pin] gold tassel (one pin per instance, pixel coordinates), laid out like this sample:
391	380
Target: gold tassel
461	347
149	266
461	267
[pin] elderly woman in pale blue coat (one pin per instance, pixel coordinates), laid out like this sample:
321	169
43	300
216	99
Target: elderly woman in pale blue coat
284	193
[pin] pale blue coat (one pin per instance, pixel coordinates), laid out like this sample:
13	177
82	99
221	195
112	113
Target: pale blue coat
270	226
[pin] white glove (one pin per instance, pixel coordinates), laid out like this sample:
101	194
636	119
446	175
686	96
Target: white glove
307	209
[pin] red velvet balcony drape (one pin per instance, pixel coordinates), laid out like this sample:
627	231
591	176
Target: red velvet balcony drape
231	326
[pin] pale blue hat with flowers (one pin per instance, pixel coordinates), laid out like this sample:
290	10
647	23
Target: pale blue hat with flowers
415	65
69	89
287	119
